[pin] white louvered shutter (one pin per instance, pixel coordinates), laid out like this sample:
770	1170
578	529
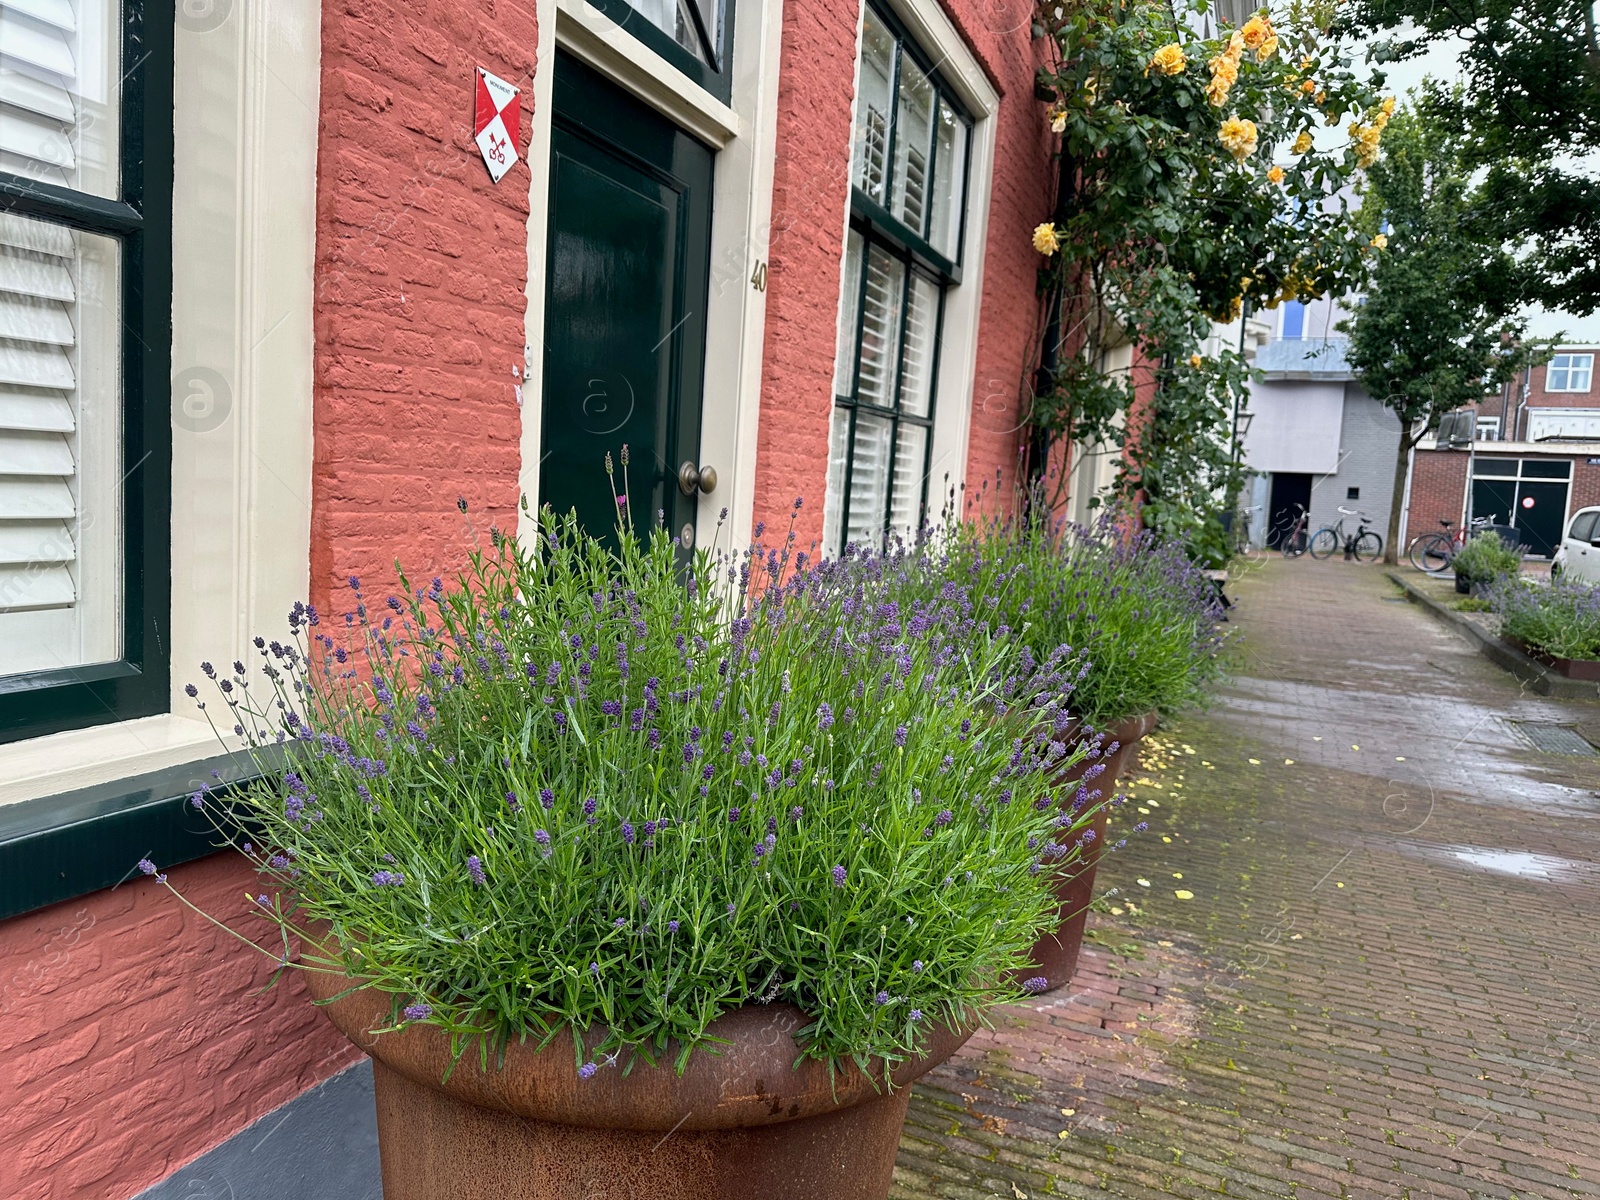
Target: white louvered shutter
59	389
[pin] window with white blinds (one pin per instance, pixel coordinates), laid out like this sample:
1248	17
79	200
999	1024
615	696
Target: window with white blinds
82	587
902	252
59	415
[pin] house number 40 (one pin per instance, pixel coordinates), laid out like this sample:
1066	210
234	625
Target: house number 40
758	277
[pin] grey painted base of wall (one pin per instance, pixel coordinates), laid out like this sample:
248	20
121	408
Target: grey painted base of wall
322	1145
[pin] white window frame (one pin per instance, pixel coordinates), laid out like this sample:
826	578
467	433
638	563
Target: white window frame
931	29
242	304
1575	362
744	134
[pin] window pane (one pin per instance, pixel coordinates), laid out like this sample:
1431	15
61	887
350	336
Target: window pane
59	83
838	463
949	184
913	145
870	153
869	480
1495	466
1544	468
676	18
1582	525
60	436
910	461
1294	319
916	363
844	363
880	328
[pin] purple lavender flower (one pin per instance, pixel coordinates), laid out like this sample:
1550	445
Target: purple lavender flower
881	998
587	1070
733	815
475	870
418	1012
944	818
512	802
915	1015
916	967
1035	985
388	878
824	715
900	735
547	798
627	833
148	867
541	837
672	927
839	876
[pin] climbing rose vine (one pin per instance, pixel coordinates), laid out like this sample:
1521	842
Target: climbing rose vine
1198	174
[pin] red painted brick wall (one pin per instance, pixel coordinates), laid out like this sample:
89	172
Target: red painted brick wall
133	1037
421	268
810	199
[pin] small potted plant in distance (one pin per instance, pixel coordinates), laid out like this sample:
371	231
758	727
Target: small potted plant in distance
646	878
1144	619
1484	559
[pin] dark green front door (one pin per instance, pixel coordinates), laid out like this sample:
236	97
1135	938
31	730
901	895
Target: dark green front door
624	328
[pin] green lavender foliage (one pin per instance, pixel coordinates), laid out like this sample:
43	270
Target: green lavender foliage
1486	557
1561	619
579	789
1143	618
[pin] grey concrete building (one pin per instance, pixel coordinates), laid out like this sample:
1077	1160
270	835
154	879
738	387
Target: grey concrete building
1314	436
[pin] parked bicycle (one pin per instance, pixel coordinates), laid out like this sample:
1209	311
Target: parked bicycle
1434	552
1292	541
1363	544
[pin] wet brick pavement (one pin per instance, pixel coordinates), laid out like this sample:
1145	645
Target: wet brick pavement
1387	980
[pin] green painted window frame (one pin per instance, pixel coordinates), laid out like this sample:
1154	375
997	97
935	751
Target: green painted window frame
140	220
716	77
879	227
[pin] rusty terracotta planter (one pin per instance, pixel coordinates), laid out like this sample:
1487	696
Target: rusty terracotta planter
1055	955
741	1123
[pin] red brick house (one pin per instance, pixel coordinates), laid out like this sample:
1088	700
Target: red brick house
268	308
1535	463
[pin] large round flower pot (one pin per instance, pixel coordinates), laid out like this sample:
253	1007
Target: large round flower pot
741	1122
1055	955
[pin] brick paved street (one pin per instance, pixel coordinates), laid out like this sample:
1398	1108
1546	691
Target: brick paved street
1387	980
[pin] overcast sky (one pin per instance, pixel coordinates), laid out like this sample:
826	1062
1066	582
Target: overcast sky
1440	63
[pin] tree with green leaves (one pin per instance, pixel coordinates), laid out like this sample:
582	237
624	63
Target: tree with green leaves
1529	107
1434	331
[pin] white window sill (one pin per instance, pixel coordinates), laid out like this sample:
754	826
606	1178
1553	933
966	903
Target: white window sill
78	758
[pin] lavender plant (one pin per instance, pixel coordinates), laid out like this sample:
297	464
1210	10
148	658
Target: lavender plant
1561	619
578	788
1142	616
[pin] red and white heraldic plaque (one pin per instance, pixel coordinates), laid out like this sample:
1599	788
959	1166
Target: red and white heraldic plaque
495	123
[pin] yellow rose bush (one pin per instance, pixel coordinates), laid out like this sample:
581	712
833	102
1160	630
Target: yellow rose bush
1196	188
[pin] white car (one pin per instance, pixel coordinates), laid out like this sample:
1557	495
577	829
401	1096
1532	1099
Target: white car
1579	554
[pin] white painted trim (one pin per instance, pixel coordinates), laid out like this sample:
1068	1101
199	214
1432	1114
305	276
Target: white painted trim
244	213
741	210
610	49
937	37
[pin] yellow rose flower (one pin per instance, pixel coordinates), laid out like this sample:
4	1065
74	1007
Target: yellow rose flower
1045	239
1309	86
1238	137
1380	242
1195	360
1058	120
1319	98
1235	49
1275	175
1169	60
1388	106
1224	74
1301	143
1268	49
1256	31
1306	62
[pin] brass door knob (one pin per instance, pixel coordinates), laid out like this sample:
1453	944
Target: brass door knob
692	479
